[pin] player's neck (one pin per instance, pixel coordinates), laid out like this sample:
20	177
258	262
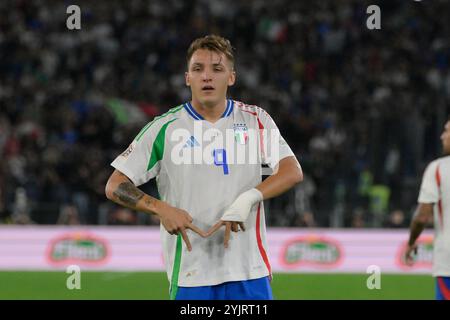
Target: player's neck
211	113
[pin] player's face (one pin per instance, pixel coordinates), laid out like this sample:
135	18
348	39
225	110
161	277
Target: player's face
445	138
209	75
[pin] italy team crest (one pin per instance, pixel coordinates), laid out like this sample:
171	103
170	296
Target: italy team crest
240	133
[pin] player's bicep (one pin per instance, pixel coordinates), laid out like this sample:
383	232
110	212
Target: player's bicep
118	177
114	181
290	164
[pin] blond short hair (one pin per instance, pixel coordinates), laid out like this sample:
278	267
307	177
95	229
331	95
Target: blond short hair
214	43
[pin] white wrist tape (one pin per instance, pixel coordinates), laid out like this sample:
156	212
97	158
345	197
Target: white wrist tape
241	207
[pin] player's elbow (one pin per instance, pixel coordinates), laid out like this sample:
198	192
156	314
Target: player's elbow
422	219
297	176
424	214
109	189
291	170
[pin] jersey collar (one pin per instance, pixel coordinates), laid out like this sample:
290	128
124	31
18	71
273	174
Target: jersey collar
194	114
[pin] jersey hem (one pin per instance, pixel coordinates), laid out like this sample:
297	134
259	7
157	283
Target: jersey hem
235	277
441	274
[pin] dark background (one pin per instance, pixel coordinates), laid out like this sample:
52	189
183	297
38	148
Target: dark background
362	109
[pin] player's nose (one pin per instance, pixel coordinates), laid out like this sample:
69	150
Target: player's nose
206	76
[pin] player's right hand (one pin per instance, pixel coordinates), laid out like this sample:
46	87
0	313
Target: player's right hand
409	254
176	221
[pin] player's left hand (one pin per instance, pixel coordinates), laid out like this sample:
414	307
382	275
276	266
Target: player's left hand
240	209
229	226
409	254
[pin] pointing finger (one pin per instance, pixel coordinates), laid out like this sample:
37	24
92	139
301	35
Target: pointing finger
214	228
196	230
186	239
227	233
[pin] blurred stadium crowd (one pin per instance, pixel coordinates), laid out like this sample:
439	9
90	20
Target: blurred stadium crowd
361	108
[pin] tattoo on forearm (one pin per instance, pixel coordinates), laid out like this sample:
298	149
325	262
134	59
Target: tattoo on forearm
128	193
149	201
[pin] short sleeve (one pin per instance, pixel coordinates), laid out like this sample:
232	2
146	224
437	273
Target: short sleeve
429	190
274	146
141	161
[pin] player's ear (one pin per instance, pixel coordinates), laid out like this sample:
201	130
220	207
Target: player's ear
232	78
186	78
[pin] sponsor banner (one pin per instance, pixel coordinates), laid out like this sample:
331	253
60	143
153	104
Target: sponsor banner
95	248
350	251
139	249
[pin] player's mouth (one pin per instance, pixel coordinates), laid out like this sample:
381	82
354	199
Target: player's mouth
208	89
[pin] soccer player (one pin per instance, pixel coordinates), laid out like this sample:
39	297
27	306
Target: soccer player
202	154
434	198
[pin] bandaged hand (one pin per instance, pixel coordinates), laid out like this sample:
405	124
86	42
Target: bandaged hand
240	209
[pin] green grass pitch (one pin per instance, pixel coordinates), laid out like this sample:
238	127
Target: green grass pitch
154	285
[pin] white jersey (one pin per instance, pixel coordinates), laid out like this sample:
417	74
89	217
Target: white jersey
435	189
202	167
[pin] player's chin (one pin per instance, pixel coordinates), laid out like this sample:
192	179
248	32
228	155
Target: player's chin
208	94
209	99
